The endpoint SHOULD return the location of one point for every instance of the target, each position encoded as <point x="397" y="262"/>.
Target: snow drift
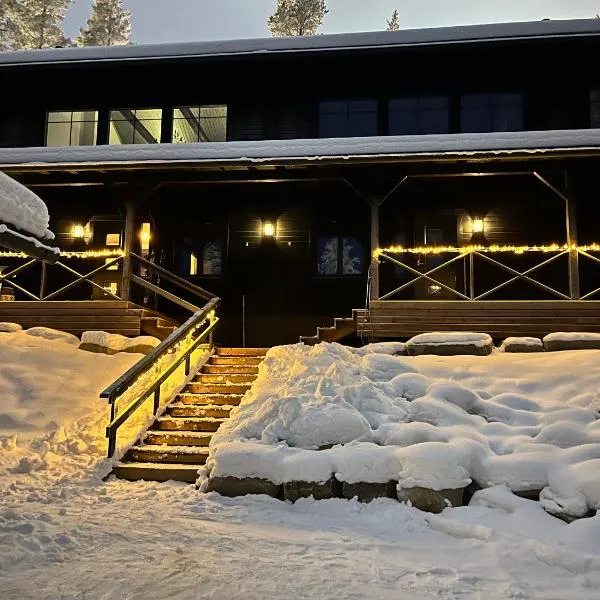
<point x="528" y="422"/>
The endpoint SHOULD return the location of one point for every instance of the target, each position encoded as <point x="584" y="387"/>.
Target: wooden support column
<point x="128" y="243"/>
<point x="572" y="240"/>
<point x="374" y="289"/>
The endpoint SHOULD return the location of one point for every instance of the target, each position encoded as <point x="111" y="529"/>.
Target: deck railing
<point x="468" y="260"/>
<point x="160" y="373"/>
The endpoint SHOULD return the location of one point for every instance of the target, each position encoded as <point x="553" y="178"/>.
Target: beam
<point x="374" y="275"/>
<point x="129" y="240"/>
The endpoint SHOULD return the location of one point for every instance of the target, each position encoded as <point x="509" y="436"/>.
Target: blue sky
<point x="157" y="21"/>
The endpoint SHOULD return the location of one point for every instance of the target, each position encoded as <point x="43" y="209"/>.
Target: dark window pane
<point x="491" y="112"/>
<point x="419" y="115"/>
<point x="353" y="118"/>
<point x="333" y="125"/>
<point x="362" y="124"/>
<point x="327" y="255"/>
<point x="212" y="258"/>
<point x="353" y="257"/>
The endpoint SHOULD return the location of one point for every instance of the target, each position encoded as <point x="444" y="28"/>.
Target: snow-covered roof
<point x="317" y="43"/>
<point x="313" y="151"/>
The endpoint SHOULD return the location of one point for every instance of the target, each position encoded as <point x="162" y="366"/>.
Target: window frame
<point x="419" y="112"/>
<point x="136" y="120"/>
<point x="493" y="106"/>
<point x="341" y="237"/>
<point x="200" y="107"/>
<point x="347" y="113"/>
<point x="71" y="111"/>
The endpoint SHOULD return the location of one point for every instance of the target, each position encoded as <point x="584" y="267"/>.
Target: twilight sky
<point x="156" y="21"/>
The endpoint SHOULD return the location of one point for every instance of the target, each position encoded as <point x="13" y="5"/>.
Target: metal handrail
<point x="128" y="379"/>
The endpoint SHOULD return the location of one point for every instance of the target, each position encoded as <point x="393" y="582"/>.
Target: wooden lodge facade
<point x="269" y="171"/>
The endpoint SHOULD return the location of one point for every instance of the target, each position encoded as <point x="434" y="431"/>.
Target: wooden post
<point x="374" y="289"/>
<point x="129" y="239"/>
<point x="43" y="279"/>
<point x="574" y="289"/>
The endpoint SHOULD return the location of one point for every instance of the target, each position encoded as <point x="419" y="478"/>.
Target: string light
<point x="485" y="249"/>
<point x="88" y="254"/>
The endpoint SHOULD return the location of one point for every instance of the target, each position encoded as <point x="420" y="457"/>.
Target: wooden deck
<point x="112" y="316"/>
<point x="500" y="318"/>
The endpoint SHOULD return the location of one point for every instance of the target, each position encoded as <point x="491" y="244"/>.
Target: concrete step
<point x="217" y="388"/>
<point x="187" y="424"/>
<point x="235" y="360"/>
<point x="241" y="351"/>
<point x="177" y="438"/>
<point x="157" y="472"/>
<point x="230" y="369"/>
<point x="180" y="409"/>
<point x="206" y="399"/>
<point x="224" y="378"/>
<point x="191" y="455"/>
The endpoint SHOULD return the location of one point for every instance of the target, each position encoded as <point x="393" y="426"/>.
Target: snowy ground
<point x="64" y="534"/>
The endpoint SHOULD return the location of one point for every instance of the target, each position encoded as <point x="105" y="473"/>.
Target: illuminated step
<point x="187" y="424"/>
<point x="230" y="369"/>
<point x="217" y="388"/>
<point x="242" y="351"/>
<point x="167" y="454"/>
<point x="204" y="399"/>
<point x="177" y="438"/>
<point x="187" y="473"/>
<point x="181" y="409"/>
<point x="224" y="378"/>
<point x="235" y="360"/>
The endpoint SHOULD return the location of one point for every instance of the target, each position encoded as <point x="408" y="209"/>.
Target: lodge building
<point x="269" y="171"/>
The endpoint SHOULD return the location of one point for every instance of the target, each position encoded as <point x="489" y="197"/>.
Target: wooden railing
<point x="147" y="378"/>
<point x="467" y="261"/>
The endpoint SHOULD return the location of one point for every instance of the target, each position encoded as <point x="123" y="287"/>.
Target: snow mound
<point x="53" y="334"/>
<point x="10" y="327"/>
<point x="23" y="209"/>
<point x="111" y="343"/>
<point x="443" y="338"/>
<point x="520" y="344"/>
<point x="572" y="336"/>
<point x="425" y="421"/>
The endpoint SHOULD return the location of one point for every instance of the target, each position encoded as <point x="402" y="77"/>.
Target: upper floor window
<point x="199" y="124"/>
<point x="135" y="126"/>
<point x="491" y="112"/>
<point x="595" y="108"/>
<point x="71" y="128"/>
<point x="419" y="116"/>
<point x="350" y="118"/>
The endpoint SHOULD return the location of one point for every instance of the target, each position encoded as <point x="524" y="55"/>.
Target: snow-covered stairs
<point x="176" y="444"/>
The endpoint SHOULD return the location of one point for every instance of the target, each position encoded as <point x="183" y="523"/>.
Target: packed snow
<point x="113" y="342"/>
<point x="523" y="421"/>
<point x="23" y="209"/>
<point x="572" y="336"/>
<point x="65" y="533"/>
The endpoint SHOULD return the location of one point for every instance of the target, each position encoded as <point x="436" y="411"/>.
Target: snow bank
<point x="111" y="343"/>
<point x="53" y="334"/>
<point x="10" y="327"/>
<point x="23" y="209"/>
<point x="572" y="336"/>
<point x="51" y="416"/>
<point x="443" y="338"/>
<point x="425" y="421"/>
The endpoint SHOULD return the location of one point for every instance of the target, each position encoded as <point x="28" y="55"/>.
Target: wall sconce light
<point x="78" y="231"/>
<point x="478" y="225"/>
<point x="268" y="229"/>
<point x="145" y="238"/>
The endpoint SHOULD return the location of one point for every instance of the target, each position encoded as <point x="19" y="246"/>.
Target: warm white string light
<point x="486" y="249"/>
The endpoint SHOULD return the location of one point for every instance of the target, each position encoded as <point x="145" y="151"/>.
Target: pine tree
<point x="297" y="17"/>
<point x="38" y="24"/>
<point x="7" y="23"/>
<point x="109" y="25"/>
<point x="393" y="23"/>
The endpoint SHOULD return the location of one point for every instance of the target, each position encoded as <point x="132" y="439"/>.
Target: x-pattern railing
<point x="469" y="254"/>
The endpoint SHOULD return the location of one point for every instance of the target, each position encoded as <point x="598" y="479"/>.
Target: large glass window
<point x="352" y="118"/>
<point x="200" y="124"/>
<point x="337" y="255"/>
<point x="491" y="112"/>
<point x="595" y="108"/>
<point x="419" y="116"/>
<point x="135" y="126"/>
<point x="71" y="128"/>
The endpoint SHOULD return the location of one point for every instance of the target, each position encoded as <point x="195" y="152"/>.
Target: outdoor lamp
<point x="268" y="229"/>
<point x="478" y="225"/>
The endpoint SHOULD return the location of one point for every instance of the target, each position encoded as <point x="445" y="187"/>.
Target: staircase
<point x="176" y="444"/>
<point x="341" y="328"/>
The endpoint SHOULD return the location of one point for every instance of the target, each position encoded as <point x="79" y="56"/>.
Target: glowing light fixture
<point x="78" y="231"/>
<point x="145" y="238"/>
<point x="268" y="229"/>
<point x="478" y="224"/>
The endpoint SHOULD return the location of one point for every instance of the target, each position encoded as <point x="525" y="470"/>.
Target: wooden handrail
<point x="180" y="281"/>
